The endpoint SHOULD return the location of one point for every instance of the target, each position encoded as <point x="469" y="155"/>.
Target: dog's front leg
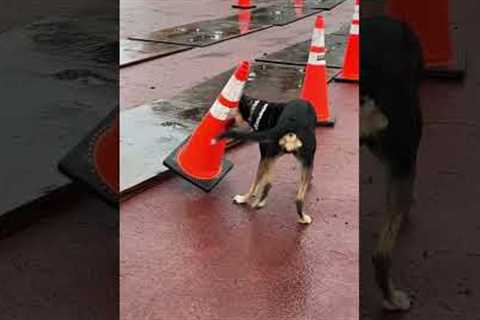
<point x="399" y="202"/>
<point x="263" y="168"/>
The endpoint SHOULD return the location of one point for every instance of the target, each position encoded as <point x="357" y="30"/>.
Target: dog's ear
<point x="244" y="106"/>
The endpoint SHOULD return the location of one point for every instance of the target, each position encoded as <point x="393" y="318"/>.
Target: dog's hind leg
<point x="263" y="187"/>
<point x="263" y="168"/>
<point x="305" y="178"/>
<point x="399" y="202"/>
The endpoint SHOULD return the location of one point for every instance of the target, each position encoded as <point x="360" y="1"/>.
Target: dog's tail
<point x="270" y="135"/>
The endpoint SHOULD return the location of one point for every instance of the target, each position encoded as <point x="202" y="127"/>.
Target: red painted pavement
<point x="186" y="254"/>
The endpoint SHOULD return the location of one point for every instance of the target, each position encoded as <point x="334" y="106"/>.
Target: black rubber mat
<point x="208" y="32"/>
<point x="205" y="33"/>
<point x="318" y="4"/>
<point x="314" y="4"/>
<point x="136" y="51"/>
<point x="298" y="53"/>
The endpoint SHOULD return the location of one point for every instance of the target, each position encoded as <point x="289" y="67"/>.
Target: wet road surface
<point x="186" y="254"/>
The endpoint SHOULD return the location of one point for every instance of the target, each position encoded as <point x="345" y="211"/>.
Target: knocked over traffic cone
<point x="315" y="85"/>
<point x="198" y="159"/>
<point x="351" y="62"/>
<point x="244" y="4"/>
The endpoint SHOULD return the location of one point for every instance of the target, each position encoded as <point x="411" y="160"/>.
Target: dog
<point x="391" y="128"/>
<point x="280" y="128"/>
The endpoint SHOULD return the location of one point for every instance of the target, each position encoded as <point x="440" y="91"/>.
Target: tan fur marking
<point x="290" y="142"/>
<point x="372" y="120"/>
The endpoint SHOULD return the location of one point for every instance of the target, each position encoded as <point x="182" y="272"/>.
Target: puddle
<point x="86" y="38"/>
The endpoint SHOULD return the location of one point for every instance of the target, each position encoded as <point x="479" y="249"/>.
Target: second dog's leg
<point x="399" y="202"/>
<point x="305" y="178"/>
<point x="263" y="167"/>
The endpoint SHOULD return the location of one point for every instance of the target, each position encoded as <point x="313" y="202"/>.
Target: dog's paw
<point x="240" y="199"/>
<point x="399" y="302"/>
<point x="306" y="219"/>
<point x="259" y="204"/>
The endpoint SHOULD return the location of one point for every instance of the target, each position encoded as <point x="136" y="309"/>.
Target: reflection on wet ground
<point x="150" y="132"/>
<point x="135" y="51"/>
<point x="208" y="32"/>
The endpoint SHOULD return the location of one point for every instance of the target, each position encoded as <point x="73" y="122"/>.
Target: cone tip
<point x="319" y="22"/>
<point x="243" y="70"/>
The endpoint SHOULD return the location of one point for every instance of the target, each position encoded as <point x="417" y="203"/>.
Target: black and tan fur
<point x="280" y="128"/>
<point x="391" y="128"/>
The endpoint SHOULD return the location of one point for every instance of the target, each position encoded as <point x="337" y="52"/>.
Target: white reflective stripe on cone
<point x="356" y="15"/>
<point x="318" y="38"/>
<point x="355" y="29"/>
<point x="316" y="59"/>
<point x="233" y="89"/>
<point x="219" y="111"/>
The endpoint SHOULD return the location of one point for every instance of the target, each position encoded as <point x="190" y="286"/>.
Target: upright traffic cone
<point x="430" y="20"/>
<point x="351" y="62"/>
<point x="244" y="4"/>
<point x="315" y="85"/>
<point x="198" y="159"/>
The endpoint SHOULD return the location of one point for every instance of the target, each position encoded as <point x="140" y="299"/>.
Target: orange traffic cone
<point x="430" y="21"/>
<point x="244" y="4"/>
<point x="351" y="62"/>
<point x="315" y="86"/>
<point x="198" y="159"/>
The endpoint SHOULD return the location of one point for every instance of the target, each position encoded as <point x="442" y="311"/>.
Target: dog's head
<point x="242" y="114"/>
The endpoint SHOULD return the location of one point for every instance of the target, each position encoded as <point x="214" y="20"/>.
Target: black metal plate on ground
<point x="318" y="4"/>
<point x="205" y="33"/>
<point x="313" y="4"/>
<point x="280" y="15"/>
<point x="136" y="51"/>
<point x="150" y="132"/>
<point x="79" y="164"/>
<point x="298" y="53"/>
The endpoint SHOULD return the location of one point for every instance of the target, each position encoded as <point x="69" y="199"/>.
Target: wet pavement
<point x="150" y="81"/>
<point x="438" y="253"/>
<point x="56" y="78"/>
<point x="63" y="265"/>
<point x="186" y="254"/>
<point x="134" y="51"/>
<point x="298" y="54"/>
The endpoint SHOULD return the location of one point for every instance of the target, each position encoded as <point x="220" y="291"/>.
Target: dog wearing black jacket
<point x="280" y="128"/>
<point x="391" y="127"/>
